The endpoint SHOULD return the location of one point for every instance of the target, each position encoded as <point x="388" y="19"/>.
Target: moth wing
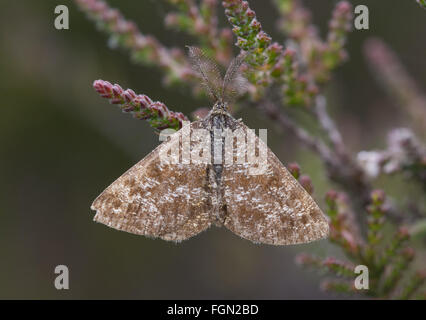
<point x="271" y="207"/>
<point x="158" y="199"/>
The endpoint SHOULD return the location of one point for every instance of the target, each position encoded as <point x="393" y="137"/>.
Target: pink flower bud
<point x="294" y="169"/>
<point x="408" y="253"/>
<point x="117" y="90"/>
<point x="403" y="233"/>
<point x="306" y="183"/>
<point x="331" y="195"/>
<point x="145" y="101"/>
<point x="127" y="96"/>
<point x="250" y="13"/>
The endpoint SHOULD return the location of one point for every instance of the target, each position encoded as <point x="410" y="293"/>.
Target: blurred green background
<point x="61" y="145"/>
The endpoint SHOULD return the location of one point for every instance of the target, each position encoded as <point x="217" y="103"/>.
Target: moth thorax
<point x="221" y="106"/>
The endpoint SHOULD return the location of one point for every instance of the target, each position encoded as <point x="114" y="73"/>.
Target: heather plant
<point x="288" y="78"/>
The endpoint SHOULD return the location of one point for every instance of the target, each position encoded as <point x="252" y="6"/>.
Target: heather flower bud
<point x="289" y="53"/>
<point x="378" y="197"/>
<point x="241" y="42"/>
<point x="263" y="38"/>
<point x="331" y="196"/>
<point x="294" y="169"/>
<point x="306" y="183"/>
<point x="255" y="25"/>
<point x="403" y="234"/>
<point x="250" y="13"/>
<point x="117" y="90"/>
<point x="408" y="253"/>
<point x="128" y="96"/>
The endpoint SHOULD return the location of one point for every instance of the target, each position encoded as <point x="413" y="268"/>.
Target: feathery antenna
<point x="220" y="90"/>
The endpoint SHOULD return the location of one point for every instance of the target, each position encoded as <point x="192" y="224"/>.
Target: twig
<point x="320" y="110"/>
<point x="275" y="114"/>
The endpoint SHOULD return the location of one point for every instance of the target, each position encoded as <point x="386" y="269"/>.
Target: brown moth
<point x="177" y="200"/>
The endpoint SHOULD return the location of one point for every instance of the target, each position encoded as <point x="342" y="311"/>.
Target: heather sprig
<point x="343" y="229"/>
<point x="397" y="270"/>
<point x="414" y="283"/>
<point x="400" y="238"/>
<point x="271" y="63"/>
<point x="265" y="55"/>
<point x="405" y="153"/>
<point x="338" y="267"/>
<point x="317" y="56"/>
<point x="422" y="3"/>
<point x="375" y="220"/>
<point x="329" y="265"/>
<point x="200" y="20"/>
<point x="144" y="49"/>
<point x="338" y="286"/>
<point x="296" y="87"/>
<point x="250" y="36"/>
<point x="140" y="106"/>
<point x="386" y="258"/>
<point x="295" y="20"/>
<point x="339" y="26"/>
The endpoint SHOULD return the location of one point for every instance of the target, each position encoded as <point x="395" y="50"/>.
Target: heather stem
<point x="140" y="106"/>
<point x="275" y="114"/>
<point x="329" y="126"/>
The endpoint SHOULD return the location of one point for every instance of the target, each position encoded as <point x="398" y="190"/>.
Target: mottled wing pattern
<point x="272" y="207"/>
<point x="169" y="201"/>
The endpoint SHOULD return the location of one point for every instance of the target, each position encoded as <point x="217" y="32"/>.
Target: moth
<point x="177" y="200"/>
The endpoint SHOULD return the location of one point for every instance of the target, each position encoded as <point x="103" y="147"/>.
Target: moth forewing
<point x="272" y="207"/>
<point x="157" y="199"/>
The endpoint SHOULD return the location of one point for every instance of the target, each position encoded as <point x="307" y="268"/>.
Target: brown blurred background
<point x="61" y="145"/>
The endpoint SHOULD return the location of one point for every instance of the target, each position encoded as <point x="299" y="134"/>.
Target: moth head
<point x="221" y="105"/>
